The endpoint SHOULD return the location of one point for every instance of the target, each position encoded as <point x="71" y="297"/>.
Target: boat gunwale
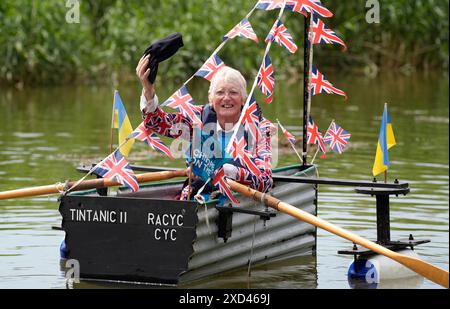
<point x="174" y="182"/>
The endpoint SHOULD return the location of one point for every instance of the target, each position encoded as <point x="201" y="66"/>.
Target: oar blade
<point x="427" y="270"/>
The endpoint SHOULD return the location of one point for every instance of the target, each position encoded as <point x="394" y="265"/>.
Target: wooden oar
<point x="87" y="184"/>
<point x="431" y="272"/>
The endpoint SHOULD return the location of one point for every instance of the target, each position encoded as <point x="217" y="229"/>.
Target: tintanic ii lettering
<point x="91" y="215"/>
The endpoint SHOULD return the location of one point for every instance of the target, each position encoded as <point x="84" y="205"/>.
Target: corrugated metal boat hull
<point x="252" y="238"/>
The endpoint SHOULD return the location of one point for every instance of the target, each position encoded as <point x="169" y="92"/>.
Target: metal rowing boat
<point x="148" y="236"/>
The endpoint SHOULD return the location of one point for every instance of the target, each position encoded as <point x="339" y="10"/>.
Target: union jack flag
<point x="210" y="67"/>
<point x="315" y="137"/>
<point x="116" y="167"/>
<point x="281" y="35"/>
<point x="309" y="6"/>
<point x="337" y="138"/>
<point x="300" y="6"/>
<point x="243" y="29"/>
<point x="266" y="79"/>
<point x="220" y="181"/>
<point x="238" y="152"/>
<point x="269" y="4"/>
<point x="183" y="101"/>
<point x="265" y="124"/>
<point x="251" y="118"/>
<point x="141" y="133"/>
<point x="319" y="33"/>
<point x="287" y="134"/>
<point x="318" y="84"/>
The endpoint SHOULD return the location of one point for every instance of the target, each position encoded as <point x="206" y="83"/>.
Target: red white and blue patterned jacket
<point x="174" y="125"/>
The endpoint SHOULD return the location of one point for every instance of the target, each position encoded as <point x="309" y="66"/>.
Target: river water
<point x="46" y="132"/>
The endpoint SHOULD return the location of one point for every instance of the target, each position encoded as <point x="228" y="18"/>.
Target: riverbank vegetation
<point x="38" y="45"/>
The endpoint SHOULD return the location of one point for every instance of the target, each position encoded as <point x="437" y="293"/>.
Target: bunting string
<point x="255" y="82"/>
<point x="308" y="90"/>
<point x="222" y="44"/>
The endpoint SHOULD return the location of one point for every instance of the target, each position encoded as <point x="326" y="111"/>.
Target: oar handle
<point x="155" y="176"/>
<point x="88" y="184"/>
<point x="429" y="271"/>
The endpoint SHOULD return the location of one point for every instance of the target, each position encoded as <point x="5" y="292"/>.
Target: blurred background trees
<point x="38" y="46"/>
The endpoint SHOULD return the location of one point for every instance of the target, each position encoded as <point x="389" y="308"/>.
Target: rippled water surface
<point x="45" y="133"/>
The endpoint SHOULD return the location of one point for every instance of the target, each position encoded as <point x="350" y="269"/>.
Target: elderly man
<point x="227" y="95"/>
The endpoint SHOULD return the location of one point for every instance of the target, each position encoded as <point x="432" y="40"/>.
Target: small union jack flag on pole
<point x="337" y="138"/>
<point x="151" y="139"/>
<point x="319" y="33"/>
<point x="251" y="118"/>
<point x="315" y="137"/>
<point x="116" y="167"/>
<point x="291" y="138"/>
<point x="243" y="29"/>
<point x="220" y="181"/>
<point x="183" y="101"/>
<point x="266" y="79"/>
<point x="318" y="84"/>
<point x="308" y="6"/>
<point x="281" y="35"/>
<point x="238" y="152"/>
<point x="210" y="67"/>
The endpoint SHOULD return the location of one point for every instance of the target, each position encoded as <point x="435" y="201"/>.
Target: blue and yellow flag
<point x="386" y="141"/>
<point x="122" y="123"/>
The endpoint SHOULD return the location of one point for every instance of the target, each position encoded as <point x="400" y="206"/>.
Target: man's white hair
<point x="228" y="75"/>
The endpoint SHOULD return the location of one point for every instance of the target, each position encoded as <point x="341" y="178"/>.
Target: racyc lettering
<point x="164" y="225"/>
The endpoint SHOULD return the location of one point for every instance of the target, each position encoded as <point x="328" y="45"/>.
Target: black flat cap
<point x="162" y="50"/>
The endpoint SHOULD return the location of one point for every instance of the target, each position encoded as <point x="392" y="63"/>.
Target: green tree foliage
<point x="38" y="46"/>
<point x="411" y="34"/>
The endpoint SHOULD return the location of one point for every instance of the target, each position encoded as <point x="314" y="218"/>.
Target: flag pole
<point x="307" y="64"/>
<point x="385" y="172"/>
<point x="292" y="145"/>
<point x="296" y="152"/>
<point x="192" y="161"/>
<point x="317" y="151"/>
<point x="112" y="122"/>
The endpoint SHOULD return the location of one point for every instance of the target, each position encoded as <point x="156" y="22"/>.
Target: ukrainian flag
<point x="122" y="123"/>
<point x="386" y="141"/>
